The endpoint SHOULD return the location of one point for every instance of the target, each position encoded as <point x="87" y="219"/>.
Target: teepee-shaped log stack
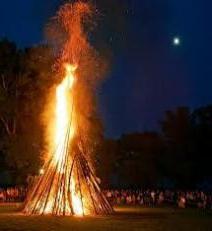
<point x="67" y="187"/>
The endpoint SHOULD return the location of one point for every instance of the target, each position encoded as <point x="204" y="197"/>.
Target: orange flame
<point x="67" y="185"/>
<point x="64" y="113"/>
<point x="64" y="100"/>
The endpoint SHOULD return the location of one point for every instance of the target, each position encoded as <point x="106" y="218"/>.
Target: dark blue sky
<point x="149" y="75"/>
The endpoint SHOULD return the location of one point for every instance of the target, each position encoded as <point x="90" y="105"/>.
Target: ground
<point x="124" y="219"/>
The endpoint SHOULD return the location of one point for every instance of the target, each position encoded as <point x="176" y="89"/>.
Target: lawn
<point x="145" y="219"/>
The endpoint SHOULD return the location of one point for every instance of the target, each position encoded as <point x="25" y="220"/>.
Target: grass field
<point x="144" y="219"/>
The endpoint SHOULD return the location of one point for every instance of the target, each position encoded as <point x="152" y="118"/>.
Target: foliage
<point x="25" y="76"/>
<point x="179" y="155"/>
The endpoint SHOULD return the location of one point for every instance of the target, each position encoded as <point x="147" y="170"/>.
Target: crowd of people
<point x="147" y="198"/>
<point x="152" y="198"/>
<point x="13" y="194"/>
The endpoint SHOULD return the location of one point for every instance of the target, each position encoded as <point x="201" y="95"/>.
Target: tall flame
<point x="65" y="129"/>
<point x="68" y="185"/>
<point x="64" y="111"/>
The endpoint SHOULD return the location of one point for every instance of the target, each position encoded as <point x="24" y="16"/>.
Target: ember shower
<point x="69" y="185"/>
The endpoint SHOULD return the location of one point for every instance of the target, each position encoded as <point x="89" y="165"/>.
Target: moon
<point x="176" y="41"/>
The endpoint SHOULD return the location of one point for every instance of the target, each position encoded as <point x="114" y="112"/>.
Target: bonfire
<point x="68" y="185"/>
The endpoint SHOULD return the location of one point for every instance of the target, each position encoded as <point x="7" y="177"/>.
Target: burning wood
<point x="68" y="185"/>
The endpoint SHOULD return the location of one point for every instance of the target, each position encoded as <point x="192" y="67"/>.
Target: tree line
<point x="179" y="155"/>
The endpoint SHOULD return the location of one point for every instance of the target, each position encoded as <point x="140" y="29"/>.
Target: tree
<point x="202" y="146"/>
<point x="25" y="77"/>
<point x="107" y="160"/>
<point x="176" y="131"/>
<point x="139" y="163"/>
<point x="9" y="66"/>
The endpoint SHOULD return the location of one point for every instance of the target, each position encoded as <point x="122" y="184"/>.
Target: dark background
<point x="155" y="100"/>
<point x="148" y="73"/>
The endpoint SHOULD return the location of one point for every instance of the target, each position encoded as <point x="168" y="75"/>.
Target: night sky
<point x="149" y="73"/>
